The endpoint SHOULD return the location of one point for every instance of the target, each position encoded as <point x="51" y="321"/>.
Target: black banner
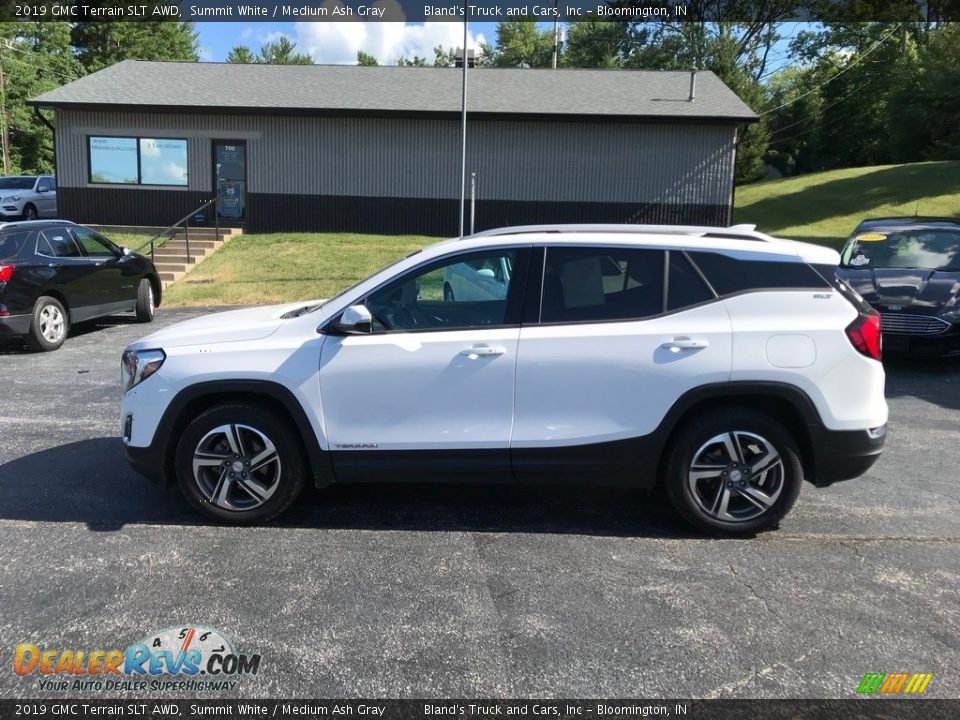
<point x="483" y="10"/>
<point x="858" y="709"/>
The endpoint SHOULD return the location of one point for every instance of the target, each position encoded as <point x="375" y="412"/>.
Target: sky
<point x="337" y="43"/>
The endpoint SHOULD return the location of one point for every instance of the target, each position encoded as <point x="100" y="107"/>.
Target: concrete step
<point x="172" y="267"/>
<point x="194" y="244"/>
<point x="181" y="259"/>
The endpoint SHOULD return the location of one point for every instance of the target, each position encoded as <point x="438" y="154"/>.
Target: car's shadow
<point x="90" y="482"/>
<point x="16" y="346"/>
<point x="934" y="380"/>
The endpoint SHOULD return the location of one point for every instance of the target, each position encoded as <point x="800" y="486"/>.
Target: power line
<point x="859" y="59"/>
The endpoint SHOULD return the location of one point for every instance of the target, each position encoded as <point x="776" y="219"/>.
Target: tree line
<point x="835" y="95"/>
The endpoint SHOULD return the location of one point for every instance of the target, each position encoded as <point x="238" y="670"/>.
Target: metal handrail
<point x="152" y="242"/>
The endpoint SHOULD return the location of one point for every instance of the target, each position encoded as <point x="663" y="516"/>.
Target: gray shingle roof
<point x="348" y="88"/>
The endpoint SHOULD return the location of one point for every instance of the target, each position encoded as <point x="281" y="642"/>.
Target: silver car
<point x="28" y="197"/>
<point x="477" y="280"/>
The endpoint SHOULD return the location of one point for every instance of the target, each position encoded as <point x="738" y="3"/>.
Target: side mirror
<point x="355" y="320"/>
<point x="125" y="250"/>
<point x="486" y="273"/>
<point x="42" y="189"/>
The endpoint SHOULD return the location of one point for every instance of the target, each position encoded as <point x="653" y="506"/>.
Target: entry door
<point x="230" y="178"/>
<point x="428" y="394"/>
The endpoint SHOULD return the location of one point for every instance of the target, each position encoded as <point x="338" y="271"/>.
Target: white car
<point x="28" y="197"/>
<point x="485" y="278"/>
<point x="723" y="365"/>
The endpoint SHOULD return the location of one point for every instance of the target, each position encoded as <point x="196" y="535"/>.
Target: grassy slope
<point x="286" y="267"/>
<point x="825" y="207"/>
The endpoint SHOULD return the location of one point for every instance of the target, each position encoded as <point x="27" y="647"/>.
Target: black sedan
<point x="55" y="273"/>
<point x="908" y="269"/>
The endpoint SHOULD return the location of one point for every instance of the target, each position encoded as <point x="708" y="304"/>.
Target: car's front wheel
<point x="29" y="212"/>
<point x="240" y="463"/>
<point x="733" y="472"/>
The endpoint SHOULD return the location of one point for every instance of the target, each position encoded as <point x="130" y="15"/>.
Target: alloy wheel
<point x="237" y="467"/>
<point x="51" y="323"/>
<point x="736" y="476"/>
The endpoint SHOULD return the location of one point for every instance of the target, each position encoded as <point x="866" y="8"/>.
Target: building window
<point x="138" y="161"/>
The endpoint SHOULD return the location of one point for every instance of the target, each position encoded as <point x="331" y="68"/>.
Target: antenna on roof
<point x="693" y="85"/>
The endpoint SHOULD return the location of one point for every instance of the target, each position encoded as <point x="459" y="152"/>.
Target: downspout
<point x="53" y="132"/>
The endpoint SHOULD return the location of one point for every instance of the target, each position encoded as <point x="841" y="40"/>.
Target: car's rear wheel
<point x="48" y="329"/>
<point x="145" y="301"/>
<point x="29" y="212"/>
<point x="240" y="463"/>
<point x="733" y="472"/>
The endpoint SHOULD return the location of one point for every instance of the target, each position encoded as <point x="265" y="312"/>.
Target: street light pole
<point x="463" y="125"/>
<point x="4" y="140"/>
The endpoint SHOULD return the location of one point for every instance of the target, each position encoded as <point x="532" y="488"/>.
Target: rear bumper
<point x="15" y="324"/>
<point x="844" y="454"/>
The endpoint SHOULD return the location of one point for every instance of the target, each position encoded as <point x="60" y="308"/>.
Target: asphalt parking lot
<point x="404" y="591"/>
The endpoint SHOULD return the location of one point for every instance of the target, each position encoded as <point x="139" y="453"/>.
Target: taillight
<point x="864" y="334"/>
<point x="6" y="272"/>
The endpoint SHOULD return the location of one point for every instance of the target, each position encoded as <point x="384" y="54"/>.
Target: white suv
<point x="722" y="364"/>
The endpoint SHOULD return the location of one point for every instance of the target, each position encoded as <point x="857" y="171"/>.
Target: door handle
<point x="683" y="343"/>
<point x="482" y="351"/>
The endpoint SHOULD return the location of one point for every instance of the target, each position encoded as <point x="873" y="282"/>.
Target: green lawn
<point x="822" y="208"/>
<point x="825" y="207"/>
<point x="286" y="267"/>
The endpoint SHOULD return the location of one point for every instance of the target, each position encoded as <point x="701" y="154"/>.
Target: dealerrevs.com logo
<point x="188" y="657"/>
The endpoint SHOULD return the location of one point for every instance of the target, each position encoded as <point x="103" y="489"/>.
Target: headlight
<point x="11" y="199"/>
<point x="137" y="365"/>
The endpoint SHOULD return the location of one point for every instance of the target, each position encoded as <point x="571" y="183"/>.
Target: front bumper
<point x="845" y="454"/>
<point x="15" y="324"/>
<point x="942" y="345"/>
<point x="148" y="461"/>
<point x="10" y="211"/>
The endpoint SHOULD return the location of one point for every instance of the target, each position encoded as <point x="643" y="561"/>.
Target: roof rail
<point x="742" y="232"/>
<point x="33" y="223"/>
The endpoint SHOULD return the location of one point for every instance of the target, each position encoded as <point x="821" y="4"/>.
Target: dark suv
<point x="56" y="273"/>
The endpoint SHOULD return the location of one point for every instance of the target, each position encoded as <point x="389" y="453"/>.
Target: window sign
<point x="138" y="161"/>
<point x="163" y="162"/>
<point x="113" y="160"/>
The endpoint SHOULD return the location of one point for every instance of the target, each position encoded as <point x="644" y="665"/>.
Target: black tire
<point x="447" y="293"/>
<point x="29" y="212"/>
<point x="773" y="491"/>
<point x="281" y="483"/>
<point x="145" y="305"/>
<point x="49" y="326"/>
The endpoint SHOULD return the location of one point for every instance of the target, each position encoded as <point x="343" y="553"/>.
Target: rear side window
<point x="12" y="244"/>
<point x="601" y="284"/>
<point x="685" y="287"/>
<point x="729" y="275"/>
<point x="57" y="243"/>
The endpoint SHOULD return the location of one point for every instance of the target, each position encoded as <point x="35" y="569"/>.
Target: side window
<point x="43" y="185"/>
<point x="58" y="243"/>
<point x="466" y="291"/>
<point x="728" y="275"/>
<point x="685" y="287"/>
<point x="12" y="244"/>
<point x="584" y="284"/>
<point x="52" y="184"/>
<point x="93" y="245"/>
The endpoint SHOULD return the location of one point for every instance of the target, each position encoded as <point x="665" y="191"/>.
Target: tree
<point x="366" y="59"/>
<point x="241" y="55"/>
<point x="521" y="44"/>
<point x="282" y="52"/>
<point x="100" y="44"/>
<point x="38" y="57"/>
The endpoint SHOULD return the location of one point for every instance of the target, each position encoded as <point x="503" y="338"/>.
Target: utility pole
<point x="556" y="34"/>
<point x="4" y="140"/>
<point x="463" y="123"/>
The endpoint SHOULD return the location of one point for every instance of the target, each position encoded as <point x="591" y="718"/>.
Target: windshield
<point x="16" y="183"/>
<point x="933" y="249"/>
